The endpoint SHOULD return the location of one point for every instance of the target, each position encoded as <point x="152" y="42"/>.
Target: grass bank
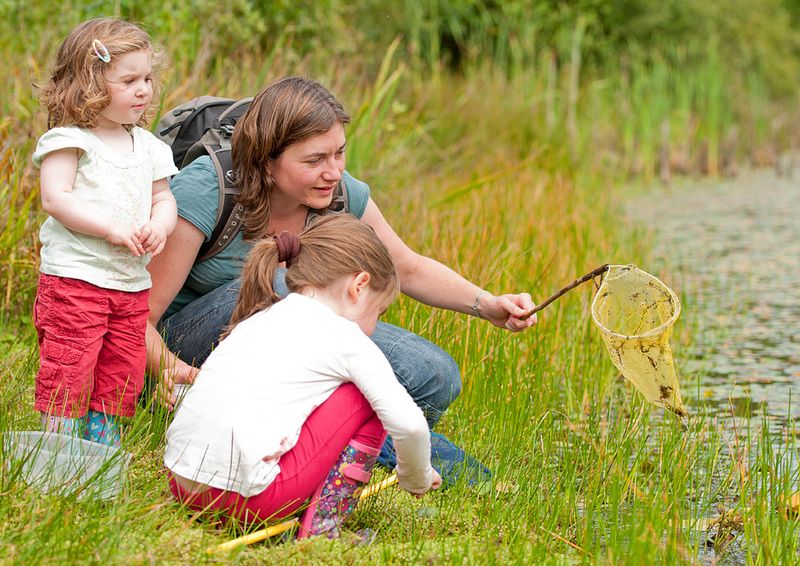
<point x="504" y="169"/>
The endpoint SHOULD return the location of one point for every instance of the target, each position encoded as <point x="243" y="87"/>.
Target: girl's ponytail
<point x="256" y="291"/>
<point x="335" y="246"/>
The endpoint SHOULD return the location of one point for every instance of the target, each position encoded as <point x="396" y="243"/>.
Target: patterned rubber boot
<point x="102" y="428"/>
<point x="64" y="425"/>
<point x="339" y="494"/>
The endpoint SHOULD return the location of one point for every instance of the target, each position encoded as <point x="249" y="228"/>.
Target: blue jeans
<point x="428" y="373"/>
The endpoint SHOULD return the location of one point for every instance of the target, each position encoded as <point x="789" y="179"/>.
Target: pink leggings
<point x="344" y="416"/>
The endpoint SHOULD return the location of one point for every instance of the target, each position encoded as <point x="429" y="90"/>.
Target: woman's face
<point x="307" y="172"/>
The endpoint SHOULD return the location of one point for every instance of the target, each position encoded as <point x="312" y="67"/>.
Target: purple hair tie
<point x="288" y="247"/>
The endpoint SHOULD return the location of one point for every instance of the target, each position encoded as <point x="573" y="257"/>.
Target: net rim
<point x="653" y="331"/>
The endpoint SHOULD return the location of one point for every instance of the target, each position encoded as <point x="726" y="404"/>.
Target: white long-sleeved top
<point x="260" y="384"/>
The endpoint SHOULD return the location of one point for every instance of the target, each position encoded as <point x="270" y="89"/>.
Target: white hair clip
<point x="101" y="51"/>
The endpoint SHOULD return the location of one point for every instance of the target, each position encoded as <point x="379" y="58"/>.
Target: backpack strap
<point x="216" y="143"/>
<point x="229" y="213"/>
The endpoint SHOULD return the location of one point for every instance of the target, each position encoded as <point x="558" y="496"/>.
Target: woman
<point x="289" y="155"/>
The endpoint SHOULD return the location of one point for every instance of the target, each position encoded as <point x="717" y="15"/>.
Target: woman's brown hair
<point x="287" y="111"/>
<point x="77" y="92"/>
<point x="335" y="246"/>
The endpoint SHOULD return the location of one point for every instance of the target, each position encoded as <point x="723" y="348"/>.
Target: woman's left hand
<point x="504" y="311"/>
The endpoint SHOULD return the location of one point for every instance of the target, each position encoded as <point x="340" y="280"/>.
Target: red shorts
<point x="91" y="347"/>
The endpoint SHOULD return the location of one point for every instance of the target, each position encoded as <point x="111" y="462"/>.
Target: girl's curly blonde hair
<point x="77" y="92"/>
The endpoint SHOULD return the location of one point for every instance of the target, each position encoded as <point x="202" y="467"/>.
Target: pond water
<point x="732" y="251"/>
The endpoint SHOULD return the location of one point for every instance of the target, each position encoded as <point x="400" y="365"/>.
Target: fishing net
<point x="635" y="312"/>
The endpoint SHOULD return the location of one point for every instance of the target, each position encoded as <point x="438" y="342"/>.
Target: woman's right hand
<point x="179" y="373"/>
<point x="169" y="271"/>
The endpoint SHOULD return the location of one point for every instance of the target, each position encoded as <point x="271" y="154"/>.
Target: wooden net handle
<point x="591" y="275"/>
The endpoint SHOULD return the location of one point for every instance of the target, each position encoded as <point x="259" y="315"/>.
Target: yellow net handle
<point x="264" y="534"/>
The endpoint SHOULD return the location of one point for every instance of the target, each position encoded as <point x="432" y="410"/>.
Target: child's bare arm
<point x="57" y="177"/>
<point x="163" y="216"/>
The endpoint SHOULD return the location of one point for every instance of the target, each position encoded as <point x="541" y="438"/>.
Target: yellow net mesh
<point x="635" y="312"/>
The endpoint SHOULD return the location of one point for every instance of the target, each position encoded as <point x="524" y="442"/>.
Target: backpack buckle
<point x="226" y="130"/>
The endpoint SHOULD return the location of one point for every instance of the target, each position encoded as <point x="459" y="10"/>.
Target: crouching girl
<point x="291" y="408"/>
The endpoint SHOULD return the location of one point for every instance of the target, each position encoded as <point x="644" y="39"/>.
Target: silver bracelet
<point x="476" y="304"/>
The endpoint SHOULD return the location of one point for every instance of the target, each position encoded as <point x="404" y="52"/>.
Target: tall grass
<point x="480" y="169"/>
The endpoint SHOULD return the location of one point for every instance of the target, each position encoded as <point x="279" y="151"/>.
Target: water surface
<point x="732" y="251"/>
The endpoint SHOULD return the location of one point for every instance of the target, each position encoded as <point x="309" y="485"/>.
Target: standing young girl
<point x="104" y="185"/>
<point x="294" y="404"/>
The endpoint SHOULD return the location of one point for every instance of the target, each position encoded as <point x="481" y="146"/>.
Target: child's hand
<point x="275" y="456"/>
<point x="152" y="236"/>
<point x="125" y="235"/>
<point x="436" y="483"/>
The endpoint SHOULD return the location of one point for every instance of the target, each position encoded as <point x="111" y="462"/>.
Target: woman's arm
<point x="169" y="271"/>
<point x="435" y="284"/>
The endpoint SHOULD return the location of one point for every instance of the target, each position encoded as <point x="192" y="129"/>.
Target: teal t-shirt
<point x="196" y="191"/>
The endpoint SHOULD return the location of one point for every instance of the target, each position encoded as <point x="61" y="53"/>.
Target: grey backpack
<point x="204" y="126"/>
